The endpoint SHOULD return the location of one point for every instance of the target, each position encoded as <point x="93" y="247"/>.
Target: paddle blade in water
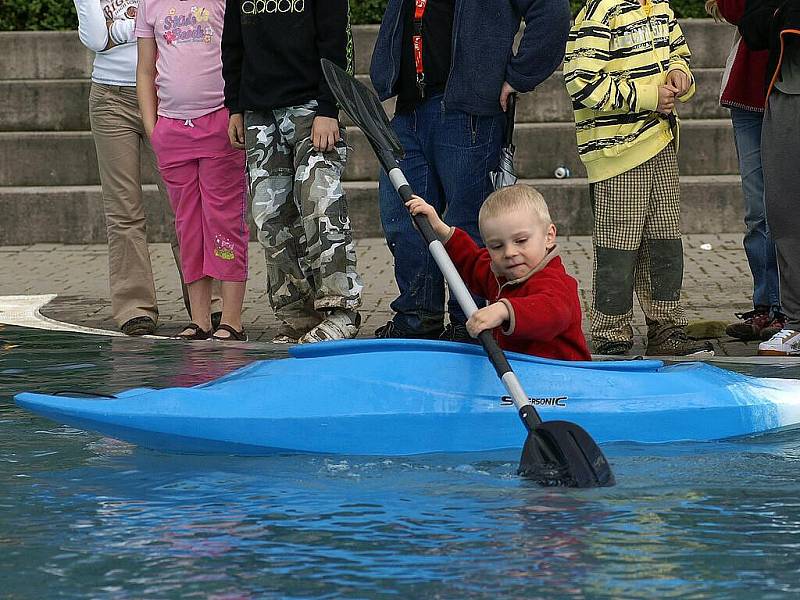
<point x="559" y="453"/>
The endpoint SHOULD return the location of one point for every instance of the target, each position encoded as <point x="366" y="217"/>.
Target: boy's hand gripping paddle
<point x="555" y="452"/>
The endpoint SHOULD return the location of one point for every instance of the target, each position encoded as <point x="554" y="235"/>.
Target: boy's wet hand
<point x="418" y="206"/>
<point x="324" y="133"/>
<point x="488" y="317"/>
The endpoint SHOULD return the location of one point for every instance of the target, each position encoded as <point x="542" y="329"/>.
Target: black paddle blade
<point x="363" y="107"/>
<point x="559" y="453"/>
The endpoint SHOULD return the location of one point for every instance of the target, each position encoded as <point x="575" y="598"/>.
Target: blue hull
<point x="385" y="397"/>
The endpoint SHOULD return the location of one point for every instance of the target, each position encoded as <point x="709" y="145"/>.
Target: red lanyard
<point x="419" y="12"/>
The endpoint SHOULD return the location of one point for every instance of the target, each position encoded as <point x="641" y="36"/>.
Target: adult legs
<point x="758" y="244"/>
<point x="419" y="307"/>
<point x="465" y="149"/>
<point x="780" y="144"/>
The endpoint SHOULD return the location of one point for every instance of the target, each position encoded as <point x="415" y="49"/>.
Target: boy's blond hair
<point x="515" y="197"/>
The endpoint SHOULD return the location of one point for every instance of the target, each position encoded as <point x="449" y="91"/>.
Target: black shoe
<point x="139" y="326"/>
<point x="390" y="330"/>
<point x="216" y="319"/>
<point x="457" y="332"/>
<point x="613" y="348"/>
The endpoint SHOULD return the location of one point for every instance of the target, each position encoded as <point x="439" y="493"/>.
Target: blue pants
<point x="448" y="157"/>
<point x="758" y="243"/>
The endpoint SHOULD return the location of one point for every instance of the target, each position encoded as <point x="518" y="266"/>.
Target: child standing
<point x="626" y="63"/>
<point x="534" y="306"/>
<point x="106" y="27"/>
<point x="282" y="109"/>
<point x="180" y="57"/>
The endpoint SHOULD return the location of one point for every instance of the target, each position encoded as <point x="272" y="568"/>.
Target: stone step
<point x="74" y="214"/>
<point x="62" y="104"/>
<point x="68" y="158"/>
<point x="60" y="55"/>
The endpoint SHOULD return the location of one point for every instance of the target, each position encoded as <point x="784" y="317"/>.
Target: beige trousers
<point x="122" y="149"/>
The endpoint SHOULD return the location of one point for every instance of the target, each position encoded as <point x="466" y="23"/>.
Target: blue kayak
<point x="402" y="397"/>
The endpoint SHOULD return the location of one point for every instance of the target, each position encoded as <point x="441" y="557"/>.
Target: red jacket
<point x="544" y="306"/>
<point x="745" y="71"/>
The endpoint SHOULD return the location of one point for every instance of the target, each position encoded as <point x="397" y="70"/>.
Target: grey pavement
<point x="717" y="283"/>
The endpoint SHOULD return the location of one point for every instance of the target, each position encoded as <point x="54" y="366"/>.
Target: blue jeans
<point x="758" y="243"/>
<point x="448" y="157"/>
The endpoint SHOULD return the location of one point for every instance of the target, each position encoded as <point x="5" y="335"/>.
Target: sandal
<point x="236" y="336"/>
<point x="197" y="333"/>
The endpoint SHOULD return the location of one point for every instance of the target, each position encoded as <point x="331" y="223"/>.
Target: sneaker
<point x="613" y="348"/>
<point x="338" y="325"/>
<point x="390" y="330"/>
<point x="139" y="326"/>
<point x="751" y="324"/>
<point x="778" y="322"/>
<point x="673" y="341"/>
<point x="784" y="343"/>
<point x="457" y="332"/>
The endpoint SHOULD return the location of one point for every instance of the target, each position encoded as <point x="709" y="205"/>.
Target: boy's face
<point x="517" y="242"/>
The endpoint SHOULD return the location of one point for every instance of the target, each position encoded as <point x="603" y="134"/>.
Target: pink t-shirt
<point x="189" y="64"/>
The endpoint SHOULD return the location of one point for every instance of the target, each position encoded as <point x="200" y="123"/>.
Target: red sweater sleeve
<point x="472" y="262"/>
<point x="546" y="312"/>
<point x="731" y="10"/>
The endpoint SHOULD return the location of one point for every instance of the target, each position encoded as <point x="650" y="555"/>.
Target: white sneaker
<point x="338" y="325"/>
<point x="784" y="343"/>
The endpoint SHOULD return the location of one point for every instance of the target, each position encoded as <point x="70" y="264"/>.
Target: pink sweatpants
<point x="207" y="186"/>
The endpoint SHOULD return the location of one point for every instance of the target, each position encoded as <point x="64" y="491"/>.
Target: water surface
<point x="84" y="516"/>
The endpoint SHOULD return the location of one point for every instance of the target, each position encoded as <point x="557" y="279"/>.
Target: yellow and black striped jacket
<point x="618" y="53"/>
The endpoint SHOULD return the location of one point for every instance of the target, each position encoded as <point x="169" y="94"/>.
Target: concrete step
<point x="68" y="158"/>
<point x="60" y="55"/>
<point x="74" y="214"/>
<point x="62" y="104"/>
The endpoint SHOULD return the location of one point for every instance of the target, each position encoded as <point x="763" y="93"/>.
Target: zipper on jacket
<point x="456" y="17"/>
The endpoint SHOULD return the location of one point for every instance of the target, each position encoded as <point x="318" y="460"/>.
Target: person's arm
<point x="332" y="22"/>
<point x="232" y="55"/>
<point x="544" y="314"/>
<point x="756" y="23"/>
<point x="678" y="73"/>
<point x="541" y="48"/>
<point x="146" y="83"/>
<point x="590" y="85"/>
<point x="92" y="25"/>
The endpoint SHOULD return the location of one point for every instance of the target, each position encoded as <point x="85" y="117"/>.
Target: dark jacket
<point x="765" y="25"/>
<point x="271" y="53"/>
<point x="544" y="306"/>
<point x="482" y="57"/>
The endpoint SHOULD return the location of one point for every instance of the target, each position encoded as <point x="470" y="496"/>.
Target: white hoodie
<point x="101" y="22"/>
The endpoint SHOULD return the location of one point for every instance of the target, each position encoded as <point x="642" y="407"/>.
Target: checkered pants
<point x="637" y="246"/>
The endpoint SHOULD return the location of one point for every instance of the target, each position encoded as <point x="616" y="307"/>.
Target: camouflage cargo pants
<point x="300" y="210"/>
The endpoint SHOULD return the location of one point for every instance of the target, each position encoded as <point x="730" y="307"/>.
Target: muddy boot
<point x="671" y="340"/>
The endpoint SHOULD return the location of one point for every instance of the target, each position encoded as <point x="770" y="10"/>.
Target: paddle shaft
<point x="459" y="290"/>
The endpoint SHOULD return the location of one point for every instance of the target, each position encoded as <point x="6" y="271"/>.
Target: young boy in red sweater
<point x="533" y="303"/>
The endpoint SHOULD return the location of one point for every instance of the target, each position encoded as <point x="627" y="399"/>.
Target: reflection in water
<point x="87" y="516"/>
